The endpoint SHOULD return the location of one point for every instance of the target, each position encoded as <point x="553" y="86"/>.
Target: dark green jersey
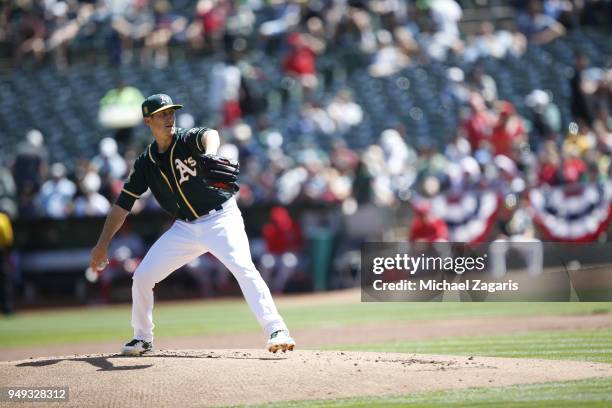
<point x="174" y="178"/>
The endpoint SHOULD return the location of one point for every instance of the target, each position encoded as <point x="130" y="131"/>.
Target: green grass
<point x="317" y="315"/>
<point x="70" y="326"/>
<point x="592" y="393"/>
<point x="583" y="345"/>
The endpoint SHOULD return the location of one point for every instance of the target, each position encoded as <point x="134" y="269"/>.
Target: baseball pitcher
<point x="197" y="188"/>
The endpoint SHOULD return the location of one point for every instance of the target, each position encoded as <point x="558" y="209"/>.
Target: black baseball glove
<point x="220" y="172"/>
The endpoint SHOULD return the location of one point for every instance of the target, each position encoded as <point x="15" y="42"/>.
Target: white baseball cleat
<point x="280" y="340"/>
<point x="137" y="348"/>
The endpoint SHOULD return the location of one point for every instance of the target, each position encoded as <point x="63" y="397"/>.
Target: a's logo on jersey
<point x="186" y="168"/>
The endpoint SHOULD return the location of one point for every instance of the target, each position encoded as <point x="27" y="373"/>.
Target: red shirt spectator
<point x="301" y="60"/>
<point x="550" y="164"/>
<point x="212" y="16"/>
<point x="478" y="125"/>
<point x="549" y="173"/>
<point x="282" y="233"/>
<point x="573" y="169"/>
<point x="508" y="130"/>
<point x="426" y="227"/>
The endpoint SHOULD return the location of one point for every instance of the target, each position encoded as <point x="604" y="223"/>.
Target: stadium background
<point x="351" y="115"/>
<point x="344" y="112"/>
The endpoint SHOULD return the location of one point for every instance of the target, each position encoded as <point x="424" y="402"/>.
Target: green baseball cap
<point x="157" y="103"/>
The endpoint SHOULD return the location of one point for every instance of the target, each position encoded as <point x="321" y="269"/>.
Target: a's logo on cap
<point x="165" y="100"/>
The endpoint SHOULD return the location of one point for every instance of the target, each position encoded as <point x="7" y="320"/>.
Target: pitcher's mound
<point x="187" y="378"/>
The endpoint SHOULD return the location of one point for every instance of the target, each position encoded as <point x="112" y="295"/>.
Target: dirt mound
<point x="188" y="378"/>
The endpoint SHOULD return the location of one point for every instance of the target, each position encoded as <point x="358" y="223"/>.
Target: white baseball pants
<point x="222" y="234"/>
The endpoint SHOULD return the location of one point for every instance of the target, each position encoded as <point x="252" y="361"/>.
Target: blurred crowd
<point x="389" y="32"/>
<point x="494" y="146"/>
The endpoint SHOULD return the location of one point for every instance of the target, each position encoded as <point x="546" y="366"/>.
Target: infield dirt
<point x="189" y="378"/>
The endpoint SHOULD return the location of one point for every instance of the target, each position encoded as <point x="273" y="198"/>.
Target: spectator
<point x="602" y="98"/>
<point x="224" y="101"/>
<point x="206" y="32"/>
<point x="28" y="204"/>
<point x="508" y="181"/>
<point x="483" y="84"/>
<point x="314" y="119"/>
<point x="133" y="22"/>
<point x="240" y="26"/>
<point x="381" y="182"/>
<point x="560" y="10"/>
<point x="300" y="60"/>
<point x="573" y="168"/>
<point x="426" y="227"/>
<point x="66" y="28"/>
<point x="290" y="184"/>
<point x="57" y="193"/>
<point x="579" y="104"/>
<point x="362" y="183"/>
<point x="109" y="161"/>
<point x="388" y="58"/>
<point x="538" y="27"/>
<point x="344" y="111"/>
<point x="479" y="122"/>
<point x="342" y="157"/>
<point x="512" y="38"/>
<point x="354" y="28"/>
<point x="351" y="35"/>
<point x="603" y="132"/>
<point x="90" y="203"/>
<point x="30" y="33"/>
<point x="509" y="130"/>
<point x="244" y="142"/>
<point x="8" y="192"/>
<point x="578" y="140"/>
<point x="430" y="162"/>
<point x="284" y="244"/>
<point x="399" y="157"/>
<point x="30" y="166"/>
<point x="254" y="88"/>
<point x="517" y="234"/>
<point x="458" y="147"/>
<point x="545" y="119"/>
<point x="167" y="25"/>
<point x="486" y="43"/>
<point x="456" y="93"/>
<point x="550" y="164"/>
<point x="406" y="42"/>
<point x="444" y="34"/>
<point x="316" y="187"/>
